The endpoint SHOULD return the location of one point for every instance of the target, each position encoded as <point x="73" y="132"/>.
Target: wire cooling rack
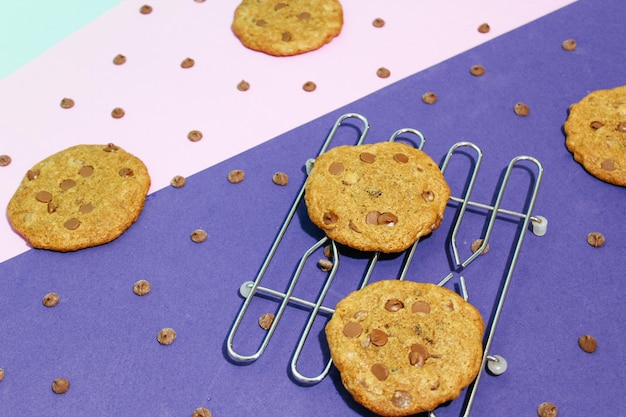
<point x="493" y="213"/>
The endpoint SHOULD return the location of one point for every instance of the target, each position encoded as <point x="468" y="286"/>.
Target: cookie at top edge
<point x="376" y="197"/>
<point x="596" y="134"/>
<point x="403" y="347"/>
<point x="286" y="28"/>
<point x="83" y="196"/>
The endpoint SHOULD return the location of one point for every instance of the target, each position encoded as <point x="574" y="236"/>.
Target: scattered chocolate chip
<point x="187" y="63"/>
<point x="243" y="85"/>
<point x="335" y="168"/>
<point x="72" y="224"/>
<point x="5" y="160"/>
<point x="266" y="320"/>
<point x="477" y="244"/>
<point x="477" y="70"/>
<point x="368" y="158"/>
<point x="352" y="329"/>
<point x="621" y="127"/>
<point x="280" y="6"/>
<point x="118" y="113"/>
<point x="372" y="217"/>
<point x="608" y="165"/>
<point x="51" y="207"/>
<point x="401" y="399"/>
<point x="401" y="158"/>
<point x="595" y="125"/>
<point x="521" y="109"/>
<point x="328" y="251"/>
<point x="236" y="176"/>
<point x="569" y="45"/>
<point x="67" y="184"/>
<point x="547" y="409"/>
<point x="119" y="59"/>
<point x="387" y="219"/>
<point x="126" y="172"/>
<point x="330" y="218"/>
<point x="380" y="371"/>
<point x="31" y="174"/>
<point x="43" y="196"/>
<point x="261" y="22"/>
<point x="86" y="171"/>
<point x="325" y="265"/>
<point x="60" y="385"/>
<point x="194" y="135"/>
<point x="394" y="305"/>
<point x="50" y="300"/>
<point x="198" y="236"/>
<point x="67" y="103"/>
<point x="588" y="343"/>
<point x="418" y="355"/>
<point x="110" y="148"/>
<point x="166" y="336"/>
<point x="304" y="16"/>
<point x="429" y="97"/>
<point x="428" y="196"/>
<point x="378" y="22"/>
<point x="286" y="36"/>
<point x="280" y="178"/>
<point x="142" y="287"/>
<point x="378" y="337"/>
<point x="484" y="28"/>
<point x="202" y="411"/>
<point x="178" y="181"/>
<point x="421" y="307"/>
<point x="145" y="9"/>
<point x="86" y="208"/>
<point x="383" y="72"/>
<point x="309" y="86"/>
<point x="596" y="239"/>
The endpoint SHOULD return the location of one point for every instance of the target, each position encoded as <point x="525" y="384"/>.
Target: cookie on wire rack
<point x="403" y="347"/>
<point x="376" y="197"/>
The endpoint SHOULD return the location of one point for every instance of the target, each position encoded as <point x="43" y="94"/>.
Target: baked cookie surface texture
<point x="596" y="134"/>
<point x="404" y="347"/>
<point x="285" y="28"/>
<point x="376" y="197"/>
<point x="83" y="196"/>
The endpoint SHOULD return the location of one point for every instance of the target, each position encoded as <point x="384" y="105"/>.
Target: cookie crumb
<point x="477" y="70"/>
<point x="187" y="63"/>
<point x="569" y="45"/>
<point x="202" y="411"/>
<point x="60" y="385"/>
<point x="484" y="28"/>
<point x="280" y="178"/>
<point x="266" y="320"/>
<point x="309" y="86"/>
<point x="596" y="239"/>
<point x="118" y="113"/>
<point x="5" y="160"/>
<point x="119" y="59"/>
<point x="521" y="109"/>
<point x="67" y="103"/>
<point x="198" y="235"/>
<point x="547" y="409"/>
<point x="328" y="251"/>
<point x="166" y="336"/>
<point x="378" y="22"/>
<point x="145" y="9"/>
<point x="142" y="287"/>
<point x="383" y="72"/>
<point x="325" y="265"/>
<point x="429" y="97"/>
<point x="243" y="85"/>
<point x="50" y="300"/>
<point x="178" y="181"/>
<point x="588" y="343"/>
<point x="194" y="135"/>
<point x="236" y="176"/>
<point x="477" y="244"/>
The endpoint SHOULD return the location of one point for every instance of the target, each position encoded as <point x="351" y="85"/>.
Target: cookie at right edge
<point x="596" y="134"/>
<point x="376" y="197"/>
<point x="404" y="347"/>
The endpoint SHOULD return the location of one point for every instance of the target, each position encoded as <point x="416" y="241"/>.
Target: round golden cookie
<point x="285" y="28"/>
<point x="378" y="197"/>
<point x="83" y="196"/>
<point x="596" y="134"/>
<point x="404" y="347"/>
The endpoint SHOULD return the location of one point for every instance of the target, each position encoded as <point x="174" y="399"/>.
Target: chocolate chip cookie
<point x="377" y="197"/>
<point x="596" y="134"/>
<point x="285" y="28"/>
<point x="404" y="347"/>
<point x="83" y="196"/>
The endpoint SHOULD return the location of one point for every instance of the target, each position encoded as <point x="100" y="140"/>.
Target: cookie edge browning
<point x="34" y="240"/>
<point x="575" y="140"/>
<point x="334" y="330"/>
<point x="239" y="27"/>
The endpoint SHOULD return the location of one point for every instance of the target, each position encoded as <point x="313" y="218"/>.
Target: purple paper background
<point x="102" y="337"/>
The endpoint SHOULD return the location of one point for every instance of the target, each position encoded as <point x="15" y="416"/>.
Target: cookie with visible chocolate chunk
<point x="376" y="197"/>
<point x="285" y="28"/>
<point x="83" y="196"/>
<point x="596" y="134"/>
<point x="404" y="347"/>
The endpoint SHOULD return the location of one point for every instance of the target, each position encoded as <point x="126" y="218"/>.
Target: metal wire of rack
<point x="494" y="363"/>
